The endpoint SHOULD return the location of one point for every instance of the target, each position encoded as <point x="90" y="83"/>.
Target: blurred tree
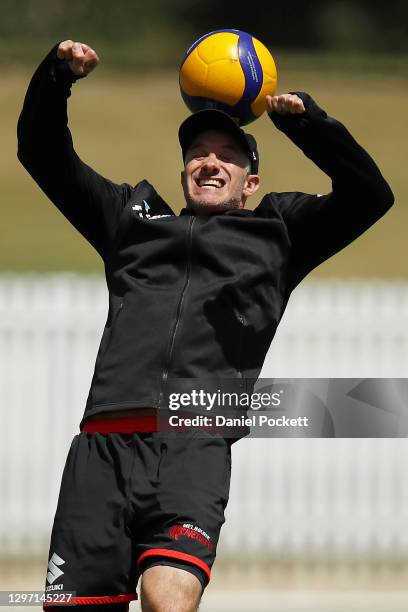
<point x="157" y="30"/>
<point x="355" y="25"/>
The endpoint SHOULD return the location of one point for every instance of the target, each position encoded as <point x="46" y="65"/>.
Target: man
<point x="191" y="296"/>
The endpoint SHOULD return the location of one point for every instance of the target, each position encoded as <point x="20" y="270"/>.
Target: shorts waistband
<point x="142" y="424"/>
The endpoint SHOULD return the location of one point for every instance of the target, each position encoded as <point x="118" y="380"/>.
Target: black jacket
<point x="192" y="296"/>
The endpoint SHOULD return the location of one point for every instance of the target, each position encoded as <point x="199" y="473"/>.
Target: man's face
<point x="215" y="176"/>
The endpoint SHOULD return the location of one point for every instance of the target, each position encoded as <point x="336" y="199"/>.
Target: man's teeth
<point x="210" y="183"/>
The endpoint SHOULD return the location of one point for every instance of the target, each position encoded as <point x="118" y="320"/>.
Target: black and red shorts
<point x="129" y="501"/>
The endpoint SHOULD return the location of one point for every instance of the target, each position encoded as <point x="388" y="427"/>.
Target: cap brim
<point x="210" y="119"/>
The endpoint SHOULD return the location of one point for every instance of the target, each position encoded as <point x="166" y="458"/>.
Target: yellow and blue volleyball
<point x="229" y="70"/>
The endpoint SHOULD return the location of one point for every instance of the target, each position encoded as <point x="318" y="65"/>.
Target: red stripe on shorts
<point x="174" y="554"/>
<point x="102" y="599"/>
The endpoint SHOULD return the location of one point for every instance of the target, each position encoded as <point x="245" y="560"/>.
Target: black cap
<point x="214" y="119"/>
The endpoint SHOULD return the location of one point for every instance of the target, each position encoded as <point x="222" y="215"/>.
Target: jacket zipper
<point x="165" y="372"/>
<point x="241" y="319"/>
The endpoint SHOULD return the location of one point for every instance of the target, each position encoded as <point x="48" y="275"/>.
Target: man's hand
<point x="285" y="104"/>
<point x="81" y="58"/>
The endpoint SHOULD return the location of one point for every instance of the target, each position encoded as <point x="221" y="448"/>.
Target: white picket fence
<point x="295" y="495"/>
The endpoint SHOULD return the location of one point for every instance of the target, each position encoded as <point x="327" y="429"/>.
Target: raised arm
<point x="92" y="203"/>
<point x="320" y="226"/>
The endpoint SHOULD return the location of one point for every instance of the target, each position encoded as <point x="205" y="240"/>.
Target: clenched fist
<point x="81" y="58"/>
<point x="285" y="104"/>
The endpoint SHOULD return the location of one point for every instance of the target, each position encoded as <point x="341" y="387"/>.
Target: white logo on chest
<point x="143" y="213"/>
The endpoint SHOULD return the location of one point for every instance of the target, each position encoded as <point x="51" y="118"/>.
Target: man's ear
<point x="251" y="185"/>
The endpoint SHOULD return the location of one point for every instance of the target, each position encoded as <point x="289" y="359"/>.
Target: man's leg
<point x="179" y="511"/>
<point x="169" y="589"/>
<point x="91" y="544"/>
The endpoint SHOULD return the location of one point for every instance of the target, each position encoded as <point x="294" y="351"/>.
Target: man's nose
<point x="211" y="163"/>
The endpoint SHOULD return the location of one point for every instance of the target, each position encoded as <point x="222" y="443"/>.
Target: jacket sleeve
<point x="320" y="226"/>
<point x="92" y="203"/>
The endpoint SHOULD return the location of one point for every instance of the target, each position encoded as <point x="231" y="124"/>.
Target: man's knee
<point x="169" y="589"/>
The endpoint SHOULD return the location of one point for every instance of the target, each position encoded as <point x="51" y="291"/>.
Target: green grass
<point x="125" y="126"/>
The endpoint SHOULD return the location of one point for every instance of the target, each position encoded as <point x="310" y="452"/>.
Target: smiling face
<point x="216" y="174"/>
